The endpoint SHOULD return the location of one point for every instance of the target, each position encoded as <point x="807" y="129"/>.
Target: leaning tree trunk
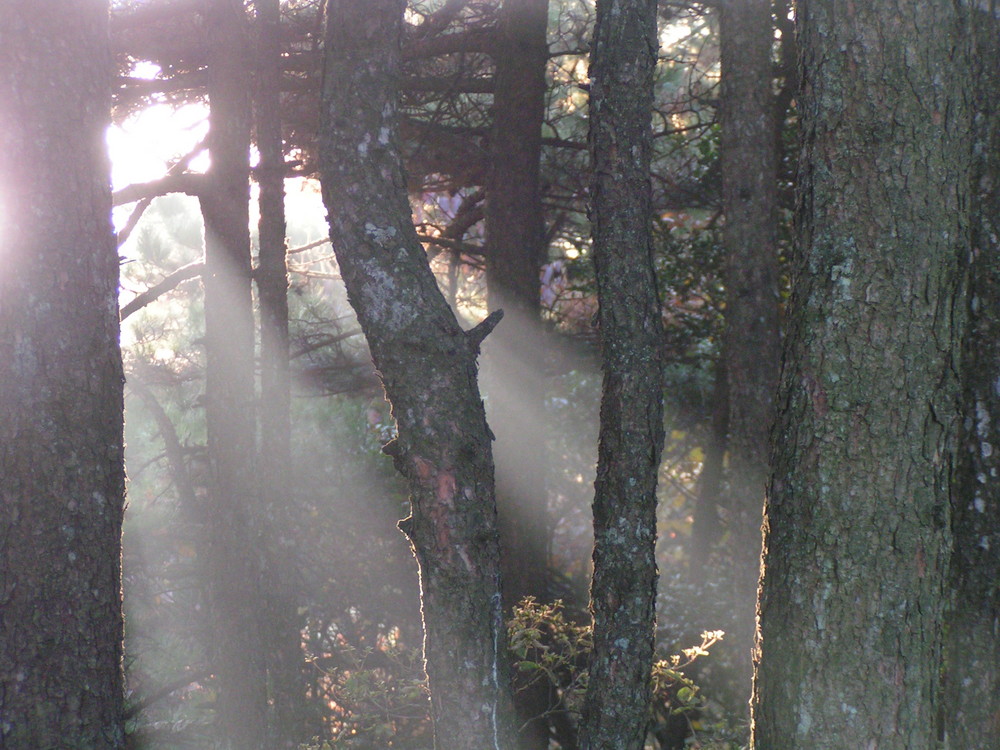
<point x="751" y="343"/>
<point x="230" y="539"/>
<point x="857" y="517"/>
<point x="971" y="713"/>
<point x="428" y="368"/>
<point x="623" y="593"/>
<point x="61" y="466"/>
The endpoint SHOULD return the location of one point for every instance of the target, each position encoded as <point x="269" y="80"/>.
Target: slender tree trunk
<point x="272" y="273"/>
<point x="514" y="219"/>
<point x="514" y="252"/>
<point x="61" y="463"/>
<point x="515" y="246"/>
<point x="972" y="711"/>
<point x="623" y="593"/>
<point x="290" y="722"/>
<point x="857" y="518"/>
<point x="231" y="535"/>
<point x="751" y="343"/>
<point x="428" y="368"/>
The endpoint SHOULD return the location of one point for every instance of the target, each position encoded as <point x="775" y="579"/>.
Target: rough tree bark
<point x="751" y="342"/>
<point x="623" y="592"/>
<point x="971" y="711"/>
<point x="230" y="548"/>
<point x="857" y="518"/>
<point x="512" y="362"/>
<point x="428" y="368"/>
<point x="61" y="462"/>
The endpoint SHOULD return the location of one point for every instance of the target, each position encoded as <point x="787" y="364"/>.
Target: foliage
<point x="378" y="699"/>
<point x="548" y="646"/>
<point x="382" y="703"/>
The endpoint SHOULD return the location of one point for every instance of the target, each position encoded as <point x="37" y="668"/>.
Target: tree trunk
<point x="231" y="535"/>
<point x="706" y="525"/>
<point x="428" y="368"/>
<point x="623" y="593"/>
<point x="971" y="712"/>
<point x="751" y="343"/>
<point x="61" y="463"/>
<point x="857" y="517"/>
<point x="515" y="247"/>
<point x="512" y="364"/>
<point x="290" y="721"/>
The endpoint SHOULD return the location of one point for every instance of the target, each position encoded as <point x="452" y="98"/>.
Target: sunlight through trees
<point x="340" y="532"/>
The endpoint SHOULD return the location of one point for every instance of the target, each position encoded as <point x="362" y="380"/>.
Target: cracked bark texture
<point x="857" y="529"/>
<point x="427" y="364"/>
<point x="971" y="713"/>
<point x="623" y="591"/>
<point x="61" y="461"/>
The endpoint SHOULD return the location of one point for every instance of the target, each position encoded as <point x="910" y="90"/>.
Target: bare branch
<point x="478" y="40"/>
<point x="160" y="693"/>
<point x="177" y="168"/>
<point x="320" y="342"/>
<point x="438" y="21"/>
<point x="484" y="328"/>
<point x="190" y="271"/>
<point x="450" y="85"/>
<point x="310" y="246"/>
<point x="189" y="183"/>
<point x="139" y="87"/>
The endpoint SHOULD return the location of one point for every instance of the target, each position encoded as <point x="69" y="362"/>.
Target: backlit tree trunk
<point x="61" y="472"/>
<point x="230" y="542"/>
<point x="428" y="368"/>
<point x="623" y="593"/>
<point x="512" y="365"/>
<point x="281" y="623"/>
<point x="751" y="343"/>
<point x="857" y="516"/>
<point x="514" y="250"/>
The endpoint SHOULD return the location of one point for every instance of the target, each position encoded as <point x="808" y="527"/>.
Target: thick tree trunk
<point x="281" y="624"/>
<point x="512" y="364"/>
<point x="61" y="472"/>
<point x="751" y="344"/>
<point x="428" y="368"/>
<point x="623" y="593"/>
<point x="972" y="712"/>
<point x="857" y="516"/>
<point x="230" y="531"/>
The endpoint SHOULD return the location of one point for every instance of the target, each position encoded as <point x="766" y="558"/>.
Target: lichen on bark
<point x="623" y="591"/>
<point x="857" y="537"/>
<point x="427" y="364"/>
